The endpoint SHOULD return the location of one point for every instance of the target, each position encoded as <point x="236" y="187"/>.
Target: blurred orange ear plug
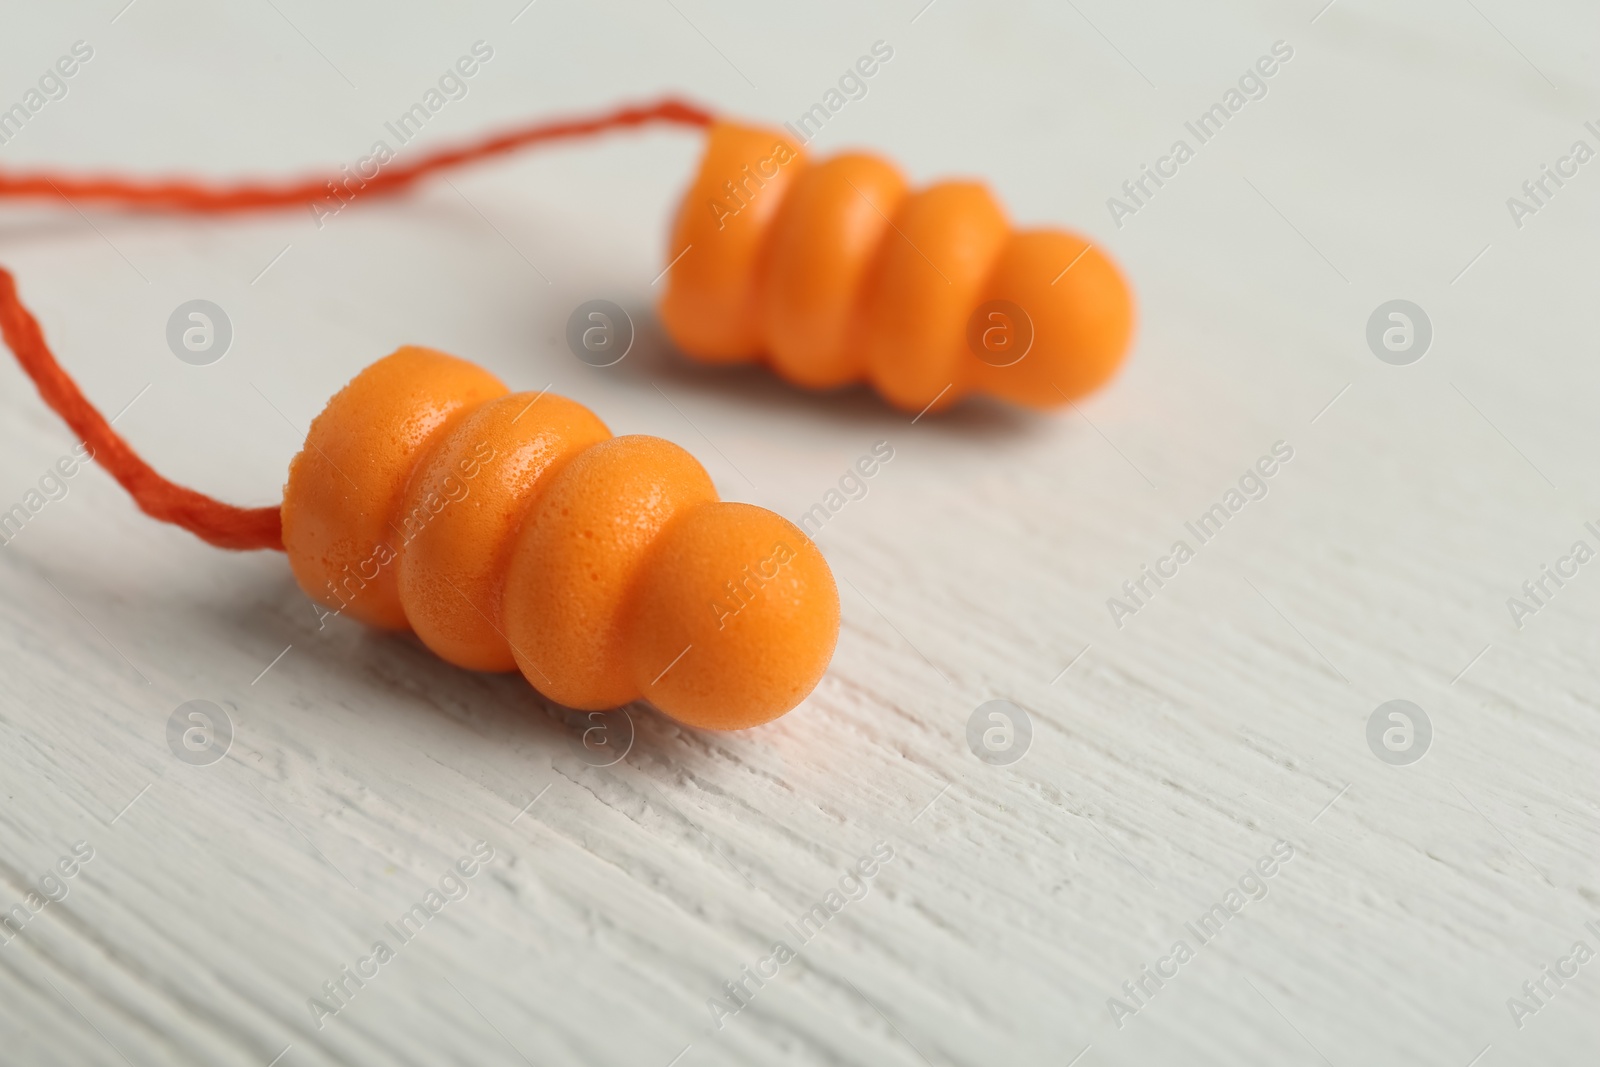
<point x="511" y="530"/>
<point x="834" y="272"/>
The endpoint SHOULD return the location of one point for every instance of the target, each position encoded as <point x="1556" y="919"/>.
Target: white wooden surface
<point x="1228" y="714"/>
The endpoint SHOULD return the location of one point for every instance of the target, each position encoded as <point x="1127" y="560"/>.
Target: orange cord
<point x="194" y="197"/>
<point x="214" y="522"/>
<point x="210" y="520"/>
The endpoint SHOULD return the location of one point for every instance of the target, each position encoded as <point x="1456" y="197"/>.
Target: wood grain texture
<point x="1168" y="754"/>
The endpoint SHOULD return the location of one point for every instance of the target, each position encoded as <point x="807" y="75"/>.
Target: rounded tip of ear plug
<point x="1080" y="313"/>
<point x="735" y="618"/>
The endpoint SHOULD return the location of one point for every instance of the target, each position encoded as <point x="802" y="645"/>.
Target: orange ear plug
<point x="834" y="272"/>
<point x="512" y="530"/>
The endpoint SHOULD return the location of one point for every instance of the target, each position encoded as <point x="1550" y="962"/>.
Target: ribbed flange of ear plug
<point x="512" y="530"/>
<point x="835" y="272"/>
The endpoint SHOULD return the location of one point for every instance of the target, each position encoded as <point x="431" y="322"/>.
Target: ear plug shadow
<point x="851" y="408"/>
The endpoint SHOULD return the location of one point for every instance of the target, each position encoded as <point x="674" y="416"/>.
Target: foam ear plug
<point x="836" y="272"/>
<point x="511" y="530"/>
